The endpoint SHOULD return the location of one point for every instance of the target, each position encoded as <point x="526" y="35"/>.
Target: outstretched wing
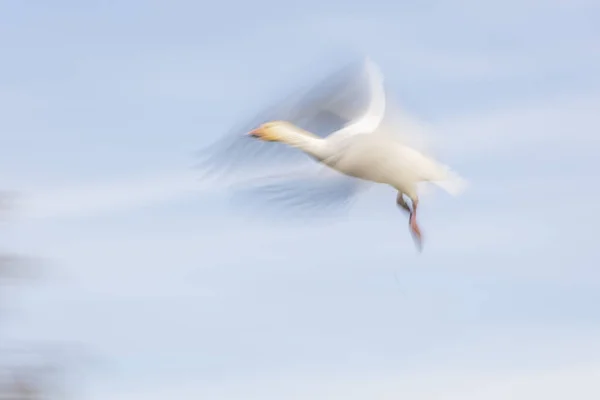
<point x="326" y="107"/>
<point x="314" y="193"/>
<point x="406" y="128"/>
<point x="368" y="121"/>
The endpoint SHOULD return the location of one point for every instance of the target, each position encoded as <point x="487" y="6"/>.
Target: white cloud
<point x="569" y="381"/>
<point x="88" y="199"/>
<point x="95" y="199"/>
<point x="555" y="124"/>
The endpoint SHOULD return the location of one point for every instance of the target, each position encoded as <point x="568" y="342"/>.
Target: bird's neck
<point x="304" y="140"/>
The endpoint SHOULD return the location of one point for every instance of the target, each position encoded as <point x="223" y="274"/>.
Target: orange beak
<point x="254" y="133"/>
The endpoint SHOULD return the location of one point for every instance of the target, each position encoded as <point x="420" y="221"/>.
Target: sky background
<point x="182" y="295"/>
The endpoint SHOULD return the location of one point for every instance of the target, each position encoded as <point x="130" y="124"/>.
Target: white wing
<point x="403" y="127"/>
<point x="382" y="116"/>
<point x="324" y="108"/>
<point x="369" y="121"/>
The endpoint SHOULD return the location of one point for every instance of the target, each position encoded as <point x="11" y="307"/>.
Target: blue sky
<point x="184" y="296"/>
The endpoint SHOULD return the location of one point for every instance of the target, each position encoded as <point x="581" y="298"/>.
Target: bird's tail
<point x="453" y="183"/>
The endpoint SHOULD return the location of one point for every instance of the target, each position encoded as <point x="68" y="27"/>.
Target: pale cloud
<point x="96" y="199"/>
<point x="90" y="199"/>
<point x="569" y="381"/>
<point x="458" y="55"/>
<point x="411" y="61"/>
<point x="553" y="125"/>
<point x="513" y="220"/>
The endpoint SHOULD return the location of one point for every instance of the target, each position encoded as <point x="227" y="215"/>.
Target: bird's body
<point x="374" y="158"/>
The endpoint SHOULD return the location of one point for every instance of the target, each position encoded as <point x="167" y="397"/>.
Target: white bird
<point x="364" y="150"/>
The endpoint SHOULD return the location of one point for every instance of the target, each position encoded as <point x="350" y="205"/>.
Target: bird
<point x="364" y="148"/>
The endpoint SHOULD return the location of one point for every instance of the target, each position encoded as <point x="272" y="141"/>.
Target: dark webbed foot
<point x="402" y="203"/>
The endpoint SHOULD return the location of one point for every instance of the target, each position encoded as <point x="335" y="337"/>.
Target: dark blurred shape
<point x="13" y="268"/>
<point x="6" y="199"/>
<point x="29" y="371"/>
<point x="31" y="374"/>
<point x="16" y="268"/>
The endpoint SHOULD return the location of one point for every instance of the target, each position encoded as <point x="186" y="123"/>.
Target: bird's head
<point x="272" y="131"/>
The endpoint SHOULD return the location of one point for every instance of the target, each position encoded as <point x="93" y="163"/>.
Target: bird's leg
<point x="414" y="226"/>
<point x="402" y="203"/>
<point x="412" y="221"/>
